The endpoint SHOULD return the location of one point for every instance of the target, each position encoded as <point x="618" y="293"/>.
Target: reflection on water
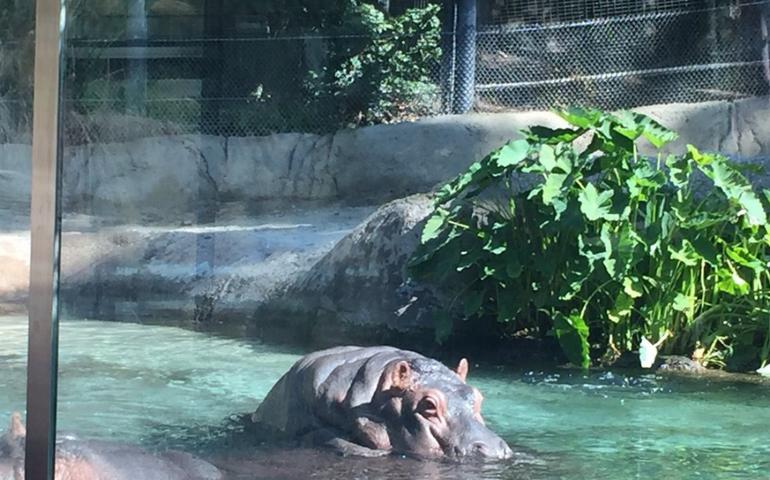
<point x="162" y="386"/>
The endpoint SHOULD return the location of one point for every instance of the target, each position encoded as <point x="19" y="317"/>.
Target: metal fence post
<point x="44" y="229"/>
<point x="448" y="54"/>
<point x="465" y="80"/>
<point x="764" y="18"/>
<point x="137" y="62"/>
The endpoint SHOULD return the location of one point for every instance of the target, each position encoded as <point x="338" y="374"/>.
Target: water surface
<point x="168" y="387"/>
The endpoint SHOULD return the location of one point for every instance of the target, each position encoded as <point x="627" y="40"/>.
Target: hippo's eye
<point x="428" y="407"/>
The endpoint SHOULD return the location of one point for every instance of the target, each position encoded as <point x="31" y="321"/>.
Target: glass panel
<point x="246" y="183"/>
<point x="16" y="70"/>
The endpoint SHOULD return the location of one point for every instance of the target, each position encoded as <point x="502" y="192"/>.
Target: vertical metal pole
<point x="44" y="220"/>
<point x="136" y="81"/>
<point x="465" y="83"/>
<point x="712" y="38"/>
<point x="764" y="19"/>
<point x="448" y="58"/>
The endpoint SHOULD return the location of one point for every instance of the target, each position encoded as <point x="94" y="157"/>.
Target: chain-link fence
<point x="687" y="54"/>
<point x="533" y="54"/>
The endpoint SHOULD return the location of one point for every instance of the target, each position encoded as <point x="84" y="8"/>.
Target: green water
<point x="163" y="386"/>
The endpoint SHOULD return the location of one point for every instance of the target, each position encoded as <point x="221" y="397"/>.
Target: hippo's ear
<point x="462" y="369"/>
<point x="17" y="429"/>
<point x="397" y="375"/>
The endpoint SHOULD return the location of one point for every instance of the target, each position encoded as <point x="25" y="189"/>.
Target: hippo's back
<point x="291" y="406"/>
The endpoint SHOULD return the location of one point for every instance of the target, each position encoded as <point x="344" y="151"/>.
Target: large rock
<point x="359" y="286"/>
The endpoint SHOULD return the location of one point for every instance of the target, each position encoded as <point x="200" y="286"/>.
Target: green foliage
<point x="385" y="76"/>
<point x="606" y="246"/>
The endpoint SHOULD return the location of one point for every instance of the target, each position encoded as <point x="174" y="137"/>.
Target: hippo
<point x="91" y="460"/>
<point x="373" y="401"/>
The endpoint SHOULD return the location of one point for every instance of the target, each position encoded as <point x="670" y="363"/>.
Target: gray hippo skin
<point x="88" y="460"/>
<point x="379" y="400"/>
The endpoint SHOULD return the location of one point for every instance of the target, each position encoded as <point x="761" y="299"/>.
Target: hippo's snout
<point x="499" y="450"/>
<point x="478" y="441"/>
<point x="494" y="450"/>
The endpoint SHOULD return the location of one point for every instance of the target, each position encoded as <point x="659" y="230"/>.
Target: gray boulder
<point x="361" y="283"/>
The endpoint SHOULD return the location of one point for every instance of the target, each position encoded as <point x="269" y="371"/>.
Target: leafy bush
<point x="385" y="77"/>
<point x="606" y="246"/>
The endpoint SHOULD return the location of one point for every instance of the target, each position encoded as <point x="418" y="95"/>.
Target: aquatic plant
<point x="603" y="245"/>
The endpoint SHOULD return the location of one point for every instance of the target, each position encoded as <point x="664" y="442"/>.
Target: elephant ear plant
<point x="605" y="245"/>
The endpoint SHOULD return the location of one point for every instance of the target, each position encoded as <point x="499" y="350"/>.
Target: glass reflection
<point x="246" y="183"/>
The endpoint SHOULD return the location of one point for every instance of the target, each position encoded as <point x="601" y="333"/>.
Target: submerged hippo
<point x="87" y="460"/>
<point x="377" y="400"/>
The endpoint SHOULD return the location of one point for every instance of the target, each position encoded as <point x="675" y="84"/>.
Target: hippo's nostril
<point x="479" y="448"/>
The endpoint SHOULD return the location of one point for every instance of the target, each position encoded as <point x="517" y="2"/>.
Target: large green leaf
<point x="473" y="174"/>
<point x="433" y="226"/>
<point x="621" y="247"/>
<point x="700" y="159"/>
<point x="731" y="282"/>
<point x="633" y="125"/>
<point x="581" y="117"/>
<point x="645" y="178"/>
<point x="633" y="287"/>
<point x="622" y="308"/>
<point x="741" y="255"/>
<point x="609" y="261"/>
<point x="552" y="188"/>
<point x="683" y="303"/>
<point x="551" y="136"/>
<point x="705" y="250"/>
<point x="511" y="154"/>
<point x="753" y="207"/>
<point x="680" y="169"/>
<point x="547" y="157"/>
<point x="572" y="333"/>
<point x="685" y="254"/>
<point x="736" y="188"/>
<point x="596" y="205"/>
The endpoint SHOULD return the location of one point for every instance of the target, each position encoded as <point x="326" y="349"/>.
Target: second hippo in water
<point x="377" y="400"/>
<point x="92" y="460"/>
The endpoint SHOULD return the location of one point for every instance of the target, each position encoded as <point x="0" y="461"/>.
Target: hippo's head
<point x="431" y="412"/>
